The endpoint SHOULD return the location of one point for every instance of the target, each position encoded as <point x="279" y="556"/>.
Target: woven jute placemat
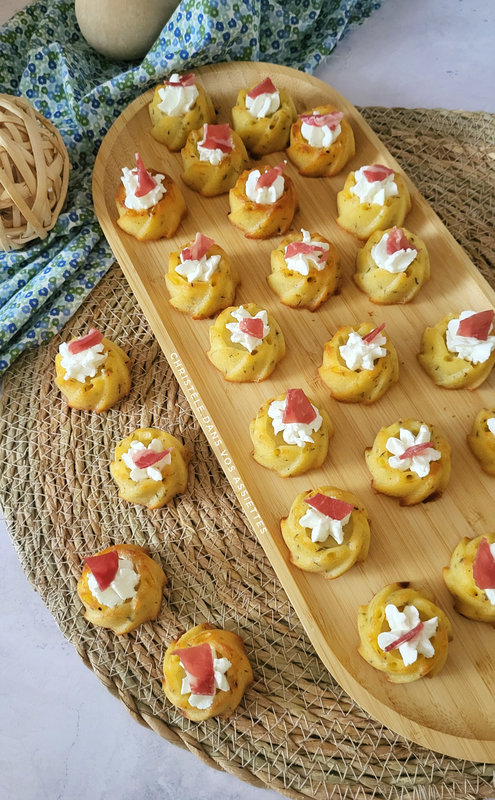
<point x="296" y="730"/>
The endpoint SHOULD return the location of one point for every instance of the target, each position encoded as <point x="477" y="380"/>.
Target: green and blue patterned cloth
<point x="44" y="57"/>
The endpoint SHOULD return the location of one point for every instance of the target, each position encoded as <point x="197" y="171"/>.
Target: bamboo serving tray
<point x="453" y="712"/>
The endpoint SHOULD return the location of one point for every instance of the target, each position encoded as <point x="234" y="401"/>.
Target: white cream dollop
<point x="420" y="464"/>
<point x="267" y="195"/>
<point x="490" y="593"/>
<point x="220" y="667"/>
<point x="264" y="105"/>
<point x="123" y="586"/>
<point x="401" y="622"/>
<point x="79" y="366"/>
<point x="491" y="424"/>
<point x="151" y="198"/>
<point x="301" y="262"/>
<point x="467" y="347"/>
<point x="320" y="135"/>
<point x="392" y="262"/>
<point x="322" y="527"/>
<point x="359" y="354"/>
<point x="177" y="100"/>
<point x="373" y="192"/>
<point x="198" y="269"/>
<point x="141" y="473"/>
<point x="298" y="433"/>
<point x="245" y="339"/>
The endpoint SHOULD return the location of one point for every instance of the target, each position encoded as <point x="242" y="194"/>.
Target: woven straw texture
<point x="296" y="731"/>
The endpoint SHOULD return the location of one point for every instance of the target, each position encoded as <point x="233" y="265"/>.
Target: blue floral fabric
<point x="44" y="57"/>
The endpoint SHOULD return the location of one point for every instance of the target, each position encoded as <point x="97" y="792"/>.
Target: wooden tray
<point x="448" y="713"/>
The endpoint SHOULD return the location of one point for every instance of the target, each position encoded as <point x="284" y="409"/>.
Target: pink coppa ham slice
<point x="323" y="120"/>
<point x="416" y="450"/>
<point x="253" y="326"/>
<point x="377" y="172"/>
<point x="478" y="326"/>
<point x="397" y="240"/>
<point x="85" y="342"/>
<point x="305" y="249"/>
<point x="329" y="506"/>
<point x="145" y="182"/>
<point x="297" y="408"/>
<point x="406" y="637"/>
<point x="146" y="458"/>
<point x="104" y="567"/>
<point x="269" y="177"/>
<point x="484" y="566"/>
<point x="185" y="80"/>
<point x="265" y="87"/>
<point x="198" y="663"/>
<point x="198" y="249"/>
<point x="373" y="334"/>
<point x="217" y="137"/>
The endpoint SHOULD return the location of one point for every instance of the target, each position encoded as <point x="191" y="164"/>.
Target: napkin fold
<point x="44" y="57"/>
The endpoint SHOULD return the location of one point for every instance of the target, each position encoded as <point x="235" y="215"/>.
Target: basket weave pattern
<point x="34" y="173"/>
<point x="296" y="731"/>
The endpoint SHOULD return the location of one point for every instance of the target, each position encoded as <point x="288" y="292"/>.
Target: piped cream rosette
<point x="290" y="435"/>
<point x="409" y="460"/>
<point x="200" y="278"/>
<point x="179" y="106"/>
<point x="470" y="577"/>
<point x="155" y="483"/>
<point x="403" y="633"/>
<point x="374" y="366"/>
<point x="327" y="531"/>
<point x="392" y="266"/>
<point x="322" y="149"/>
<point x="134" y="594"/>
<point x="373" y="198"/>
<point x="303" y="274"/>
<point x="457" y="362"/>
<point x="232" y="671"/>
<point x="246" y="343"/>
<point x="481" y="439"/>
<point x="262" y="117"/>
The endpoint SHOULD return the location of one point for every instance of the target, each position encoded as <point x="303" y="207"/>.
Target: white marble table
<point x="62" y="735"/>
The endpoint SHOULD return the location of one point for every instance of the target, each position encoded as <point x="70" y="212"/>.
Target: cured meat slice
<point x="416" y="450"/>
<point x="304" y="249"/>
<point x="145" y="182"/>
<point x="198" y="664"/>
<point x="269" y="177"/>
<point x="146" y="458"/>
<point x="185" y="80"/>
<point x="477" y="325"/>
<point x="406" y="637"/>
<point x="484" y="566"/>
<point x="376" y="172"/>
<point x="373" y="334"/>
<point x="329" y="506"/>
<point x="265" y="87"/>
<point x="85" y="342"/>
<point x="297" y="408"/>
<point x="397" y="240"/>
<point x="198" y="249"/>
<point x="323" y="120"/>
<point x="104" y="567"/>
<point x="253" y="326"/>
<point x="217" y="137"/>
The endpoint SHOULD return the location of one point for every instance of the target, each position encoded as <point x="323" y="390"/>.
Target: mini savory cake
<point x="373" y="198"/>
<point x="481" y="440"/>
<point x="121" y="587"/>
<point x="409" y="460"/>
<point x="403" y="633"/>
<point x="459" y="351"/>
<point x="206" y="672"/>
<point x="246" y="343"/>
<point x="327" y="531"/>
<point x="321" y="142"/>
<point x="213" y="158"/>
<point x="305" y="270"/>
<point x="150" y="467"/>
<point x="263" y="202"/>
<point x="290" y="435"/>
<point x="200" y="278"/>
<point x="262" y="117"/>
<point x="91" y="372"/>
<point x="470" y="578"/>
<point x="150" y="205"/>
<point x="392" y="266"/>
<point x="359" y="364"/>
<point x="179" y="106"/>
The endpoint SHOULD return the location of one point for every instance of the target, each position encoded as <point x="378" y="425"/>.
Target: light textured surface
<point x="62" y="734"/>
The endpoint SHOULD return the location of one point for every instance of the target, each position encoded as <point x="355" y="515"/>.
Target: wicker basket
<point x="34" y="173"/>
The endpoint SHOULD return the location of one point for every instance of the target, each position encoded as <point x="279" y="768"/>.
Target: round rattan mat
<point x="296" y="731"/>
